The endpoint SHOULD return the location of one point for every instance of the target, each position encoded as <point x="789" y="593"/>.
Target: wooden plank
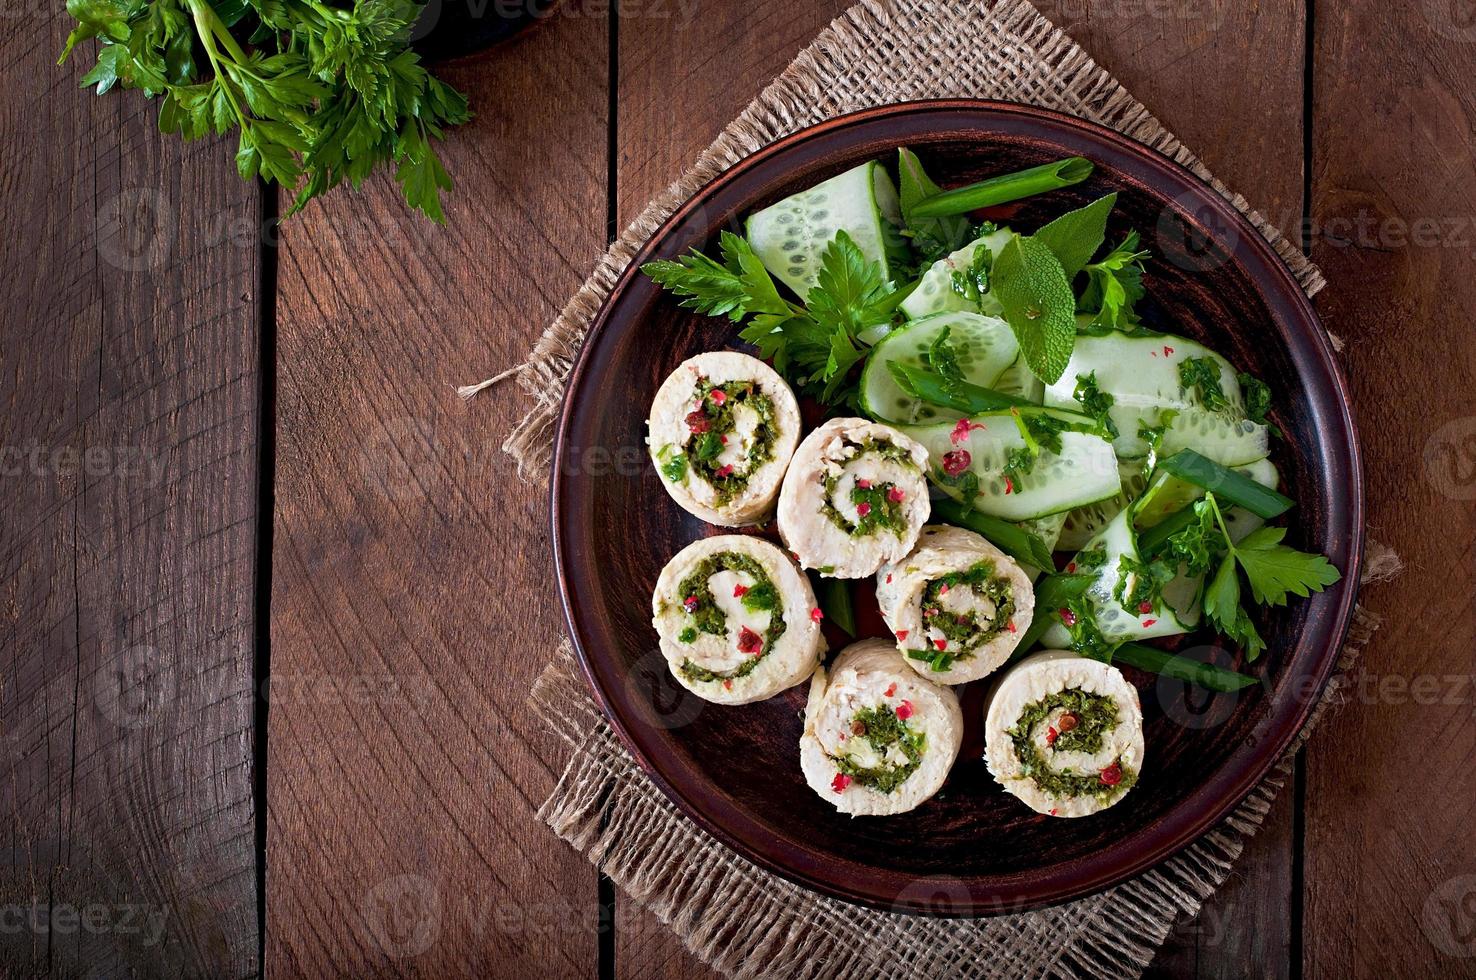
<point x="412" y="603"/>
<point x="128" y="466"/>
<point x="1391" y="878"/>
<point x="677" y="91"/>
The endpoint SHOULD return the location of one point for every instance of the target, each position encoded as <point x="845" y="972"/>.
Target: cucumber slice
<point x="935" y="292"/>
<point x="1084" y="472"/>
<point x="1178" y="613"/>
<point x="1141" y="373"/>
<point x="1019" y="380"/>
<point x="1167" y="494"/>
<point x="1085" y="523"/>
<point x="1048" y="529"/>
<point x="984" y="345"/>
<point x="790" y="236"/>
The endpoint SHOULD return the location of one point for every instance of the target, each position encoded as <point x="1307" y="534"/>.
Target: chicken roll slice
<point x="957" y="605"/>
<point x="736" y="619"/>
<point x="854" y="498"/>
<point x="722" y="429"/>
<point x="1064" y="734"/>
<point x="878" y="739"/>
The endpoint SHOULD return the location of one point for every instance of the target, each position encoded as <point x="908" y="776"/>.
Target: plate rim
<point x="1168" y="843"/>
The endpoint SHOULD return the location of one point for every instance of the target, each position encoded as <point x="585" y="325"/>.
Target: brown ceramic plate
<point x="972" y="849"/>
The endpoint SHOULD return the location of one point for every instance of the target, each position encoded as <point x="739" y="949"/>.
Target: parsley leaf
<point x="1274" y="569"/>
<point x="1095" y="402"/>
<point x="737" y="287"/>
<point x="1202" y="375"/>
<point x="1257" y="397"/>
<point x="943" y="360"/>
<point x="1114" y="286"/>
<point x="1038" y="305"/>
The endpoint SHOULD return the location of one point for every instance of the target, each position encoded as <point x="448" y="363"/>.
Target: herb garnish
<point x="1095" y="402"/>
<point x="883" y="729"/>
<point x="1202" y="375"/>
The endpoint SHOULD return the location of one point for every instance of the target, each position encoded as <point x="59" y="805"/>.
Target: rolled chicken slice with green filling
<point x="878" y="739"/>
<point x="1064" y="734"/>
<point x="736" y="619"/>
<point x="957" y="605"/>
<point x="854" y="498"/>
<point x="722" y="429"/>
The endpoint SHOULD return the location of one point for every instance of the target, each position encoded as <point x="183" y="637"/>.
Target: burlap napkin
<point x="879" y="52"/>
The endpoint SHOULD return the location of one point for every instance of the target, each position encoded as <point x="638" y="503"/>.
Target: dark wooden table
<point x="228" y="455"/>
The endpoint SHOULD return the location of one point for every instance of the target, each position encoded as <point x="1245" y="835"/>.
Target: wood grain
<point x="412" y="605"/>
<point x="128" y="426"/>
<point x="1391" y="873"/>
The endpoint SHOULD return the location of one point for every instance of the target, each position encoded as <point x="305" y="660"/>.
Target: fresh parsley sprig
<point x="318" y="94"/>
<point x="1273" y="570"/>
<point x="816" y="345"/>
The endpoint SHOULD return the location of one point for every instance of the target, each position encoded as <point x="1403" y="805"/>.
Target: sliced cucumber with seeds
<point x="983" y="345"/>
<point x="1019" y="380"/>
<point x="789" y="237"/>
<point x="935" y="292"/>
<point x="1084" y="471"/>
<point x="1085" y="523"/>
<point x="1141" y="373"/>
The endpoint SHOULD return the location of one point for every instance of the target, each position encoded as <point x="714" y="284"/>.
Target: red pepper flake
<point x="902" y="634"/>
<point x="723" y="472"/>
<point x="941" y="643"/>
<point x="1148" y="622"/>
<point x="698" y="421"/>
<point x="739" y="590"/>
<point x="862" y="509"/>
<point x="1145" y="607"/>
<point x="864" y="484"/>
<point x="889" y="578"/>
<point x="728" y="684"/>
<point x="1055" y="812"/>
<point x="749" y="641"/>
<point x="1010" y="626"/>
<point x="1067" y="616"/>
<point x="895" y="495"/>
<point x="891" y="689"/>
<point x="1051" y="736"/>
<point x="904" y="711"/>
<point x="1167" y="351"/>
<point x="930" y="612"/>
<point x="1071" y="566"/>
<point x="1154" y="353"/>
<point x="718" y="396"/>
<point x="1112" y="775"/>
<point x="840" y="782"/>
<point x="943" y="589"/>
<point x="723" y="440"/>
<point x="690" y="603"/>
<point x="816" y="615"/>
<point x="1068" y="722"/>
<point x="1009" y="485"/>
<point x="956" y="462"/>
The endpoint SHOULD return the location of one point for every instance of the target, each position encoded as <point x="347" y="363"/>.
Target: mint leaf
<point x="1075" y="236"/>
<point x="1038" y="305"/>
<point x="1274" y="569"/>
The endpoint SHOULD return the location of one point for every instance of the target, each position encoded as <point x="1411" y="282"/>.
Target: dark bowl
<point x="972" y="850"/>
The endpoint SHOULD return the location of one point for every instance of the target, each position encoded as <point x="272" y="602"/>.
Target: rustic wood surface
<point x="408" y="567"/>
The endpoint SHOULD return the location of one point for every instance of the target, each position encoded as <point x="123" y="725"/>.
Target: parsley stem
<point x="205" y="27"/>
<point x="1005" y="188"/>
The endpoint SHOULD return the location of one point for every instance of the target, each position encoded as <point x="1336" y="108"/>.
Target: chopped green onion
<point x="1005" y="188"/>
<point x="835" y="601"/>
<point x="961" y="396"/>
<point x="1227" y="484"/>
<point x="1152" y="540"/>
<point x="1157" y="661"/>
<point x="1014" y="541"/>
<point x="1051" y="593"/>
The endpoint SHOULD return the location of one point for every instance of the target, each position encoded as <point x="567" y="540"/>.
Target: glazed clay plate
<point x="972" y="850"/>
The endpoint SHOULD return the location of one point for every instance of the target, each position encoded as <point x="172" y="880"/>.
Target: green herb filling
<point x="883" y="729"/>
<point x="1096" y="715"/>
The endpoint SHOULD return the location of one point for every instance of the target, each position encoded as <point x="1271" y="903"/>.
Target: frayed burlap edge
<point x="877" y="53"/>
<point x="743" y="921"/>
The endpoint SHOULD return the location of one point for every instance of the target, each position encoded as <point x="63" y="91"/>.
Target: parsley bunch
<point x="816" y="344"/>
<point x="319" y="93"/>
